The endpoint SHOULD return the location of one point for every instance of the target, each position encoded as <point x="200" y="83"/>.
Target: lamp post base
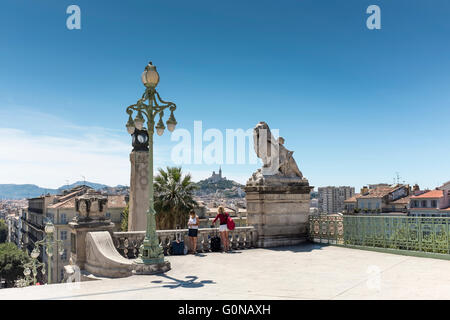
<point x="140" y="267"/>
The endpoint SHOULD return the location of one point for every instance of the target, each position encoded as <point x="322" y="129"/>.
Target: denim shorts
<point x="192" y="232"/>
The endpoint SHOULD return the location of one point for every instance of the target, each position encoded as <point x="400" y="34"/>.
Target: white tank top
<point x="193" y="221"/>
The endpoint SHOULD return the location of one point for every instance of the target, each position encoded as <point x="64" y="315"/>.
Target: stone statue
<point x="278" y="195"/>
<point x="277" y="160"/>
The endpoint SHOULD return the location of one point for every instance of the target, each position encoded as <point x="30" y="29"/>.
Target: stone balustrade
<point x="128" y="243"/>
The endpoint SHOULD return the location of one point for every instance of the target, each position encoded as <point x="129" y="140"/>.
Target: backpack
<point x="216" y="246"/>
<point x="230" y="224"/>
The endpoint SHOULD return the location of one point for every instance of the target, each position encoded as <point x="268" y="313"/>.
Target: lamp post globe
<point x="49" y="228"/>
<point x="150" y="77"/>
<point x="35" y="253"/>
<point x="130" y="125"/>
<point x="27" y="272"/>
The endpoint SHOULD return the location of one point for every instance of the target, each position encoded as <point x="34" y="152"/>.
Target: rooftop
<point x="116" y="201"/>
<point x="377" y="192"/>
<point x="310" y="271"/>
<point x="430" y="194"/>
<point x="352" y="199"/>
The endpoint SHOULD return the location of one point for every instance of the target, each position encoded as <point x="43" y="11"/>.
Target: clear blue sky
<point x="356" y="105"/>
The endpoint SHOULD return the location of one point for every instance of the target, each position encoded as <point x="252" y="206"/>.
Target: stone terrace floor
<point x="309" y="271"/>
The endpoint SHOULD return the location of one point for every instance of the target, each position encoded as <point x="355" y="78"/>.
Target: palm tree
<point x="174" y="198"/>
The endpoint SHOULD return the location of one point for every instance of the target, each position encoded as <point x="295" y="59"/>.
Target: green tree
<point x="174" y="198"/>
<point x="3" y="231"/>
<point x="124" y="222"/>
<point x="12" y="260"/>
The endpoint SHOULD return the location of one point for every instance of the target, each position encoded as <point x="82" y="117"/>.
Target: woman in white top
<point x="193" y="230"/>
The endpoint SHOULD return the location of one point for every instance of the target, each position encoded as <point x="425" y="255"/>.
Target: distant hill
<point x="22" y="191"/>
<point x="227" y="188"/>
<point x="93" y="185"/>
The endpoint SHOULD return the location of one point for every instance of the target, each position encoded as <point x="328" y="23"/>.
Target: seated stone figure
<point x="277" y="160"/>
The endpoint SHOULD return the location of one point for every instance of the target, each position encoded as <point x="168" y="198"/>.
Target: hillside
<point x="22" y="191"/>
<point x="227" y="188"/>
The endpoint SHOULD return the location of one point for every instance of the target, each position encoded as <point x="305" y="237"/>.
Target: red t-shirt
<point x="222" y="217"/>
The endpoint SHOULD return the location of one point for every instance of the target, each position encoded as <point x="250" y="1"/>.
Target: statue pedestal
<point x="278" y="210"/>
<point x="141" y="268"/>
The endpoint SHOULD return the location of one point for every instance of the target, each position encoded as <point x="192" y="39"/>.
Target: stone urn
<point x="91" y="206"/>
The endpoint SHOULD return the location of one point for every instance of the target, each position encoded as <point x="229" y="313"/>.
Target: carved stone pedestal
<point x="91" y="208"/>
<point x="279" y="212"/>
<point x="78" y="238"/>
<point x="140" y="268"/>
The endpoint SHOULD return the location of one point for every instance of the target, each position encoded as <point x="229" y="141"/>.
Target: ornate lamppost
<point x="151" y="253"/>
<point x="49" y="242"/>
<point x="31" y="270"/>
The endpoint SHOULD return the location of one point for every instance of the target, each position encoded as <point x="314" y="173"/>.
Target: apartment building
<point x="332" y="199"/>
<point x="432" y="203"/>
<point x="60" y="210"/>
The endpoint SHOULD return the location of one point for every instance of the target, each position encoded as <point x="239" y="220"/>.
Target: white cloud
<point x="52" y="151"/>
<point x="49" y="161"/>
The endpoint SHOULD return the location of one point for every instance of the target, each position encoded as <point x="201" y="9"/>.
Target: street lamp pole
<point x="48" y="242"/>
<point x="150" y="251"/>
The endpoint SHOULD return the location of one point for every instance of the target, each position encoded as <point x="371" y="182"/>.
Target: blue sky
<point x="356" y="105"/>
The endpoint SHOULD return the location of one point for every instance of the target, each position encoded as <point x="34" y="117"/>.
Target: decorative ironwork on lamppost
<point x="48" y="242"/>
<point x="150" y="251"/>
<point x="31" y="270"/>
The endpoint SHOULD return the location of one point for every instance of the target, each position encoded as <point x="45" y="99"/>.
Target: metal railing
<point x="418" y="234"/>
<point x="128" y="243"/>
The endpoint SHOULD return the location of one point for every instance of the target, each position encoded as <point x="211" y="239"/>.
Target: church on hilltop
<point x="216" y="177"/>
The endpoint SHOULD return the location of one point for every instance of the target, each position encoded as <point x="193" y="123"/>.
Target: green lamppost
<point x="31" y="270"/>
<point x="150" y="106"/>
<point x="49" y="242"/>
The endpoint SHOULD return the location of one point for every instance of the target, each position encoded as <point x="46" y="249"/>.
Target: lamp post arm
<point x="167" y="103"/>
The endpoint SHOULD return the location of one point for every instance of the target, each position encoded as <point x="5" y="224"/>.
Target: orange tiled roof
<point x="430" y="194"/>
<point x="378" y="192"/>
<point x="70" y="203"/>
<point x="352" y="199"/>
<point x="404" y="200"/>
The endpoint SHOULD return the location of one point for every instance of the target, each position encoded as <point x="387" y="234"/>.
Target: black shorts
<point x="192" y="232"/>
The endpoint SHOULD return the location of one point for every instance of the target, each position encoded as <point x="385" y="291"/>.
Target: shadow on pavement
<point x="304" y="247"/>
<point x="176" y="283"/>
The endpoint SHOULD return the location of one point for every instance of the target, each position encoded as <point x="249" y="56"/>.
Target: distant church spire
<point x="220" y="171"/>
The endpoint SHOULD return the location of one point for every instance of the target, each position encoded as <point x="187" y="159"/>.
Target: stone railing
<point x="128" y="243"/>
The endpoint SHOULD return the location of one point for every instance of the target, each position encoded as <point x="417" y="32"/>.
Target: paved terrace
<point x="310" y="271"/>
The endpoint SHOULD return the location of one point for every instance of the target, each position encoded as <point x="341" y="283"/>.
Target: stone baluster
<point x="206" y="242"/>
<point x="235" y="240"/>
<point x="253" y="237"/>
<point x="241" y="243"/>
<point x="199" y="243"/>
<point x="168" y="242"/>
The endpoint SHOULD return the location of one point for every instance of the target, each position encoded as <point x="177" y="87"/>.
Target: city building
<point x="60" y="209"/>
<point x="34" y="220"/>
<point x="432" y="203"/>
<point x="331" y="199"/>
<point x="350" y="205"/>
<point x="382" y="199"/>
